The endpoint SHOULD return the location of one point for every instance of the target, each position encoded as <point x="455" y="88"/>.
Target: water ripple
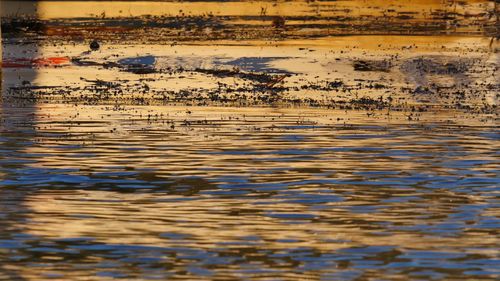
<point x="254" y="194"/>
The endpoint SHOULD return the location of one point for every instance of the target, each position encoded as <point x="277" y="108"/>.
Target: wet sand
<point x="441" y="54"/>
<point x="342" y="73"/>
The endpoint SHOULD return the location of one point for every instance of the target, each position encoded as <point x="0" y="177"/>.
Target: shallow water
<point x="176" y="192"/>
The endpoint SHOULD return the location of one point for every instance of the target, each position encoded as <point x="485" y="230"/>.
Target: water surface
<point x="176" y="192"/>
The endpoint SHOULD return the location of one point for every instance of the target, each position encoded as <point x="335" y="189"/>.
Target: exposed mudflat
<point x="368" y="72"/>
<point x="338" y="54"/>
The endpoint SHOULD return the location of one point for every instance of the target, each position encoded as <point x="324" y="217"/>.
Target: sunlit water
<point x="138" y="193"/>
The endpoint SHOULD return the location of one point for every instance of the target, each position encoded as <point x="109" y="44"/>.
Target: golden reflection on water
<point x="251" y="183"/>
<point x="96" y="192"/>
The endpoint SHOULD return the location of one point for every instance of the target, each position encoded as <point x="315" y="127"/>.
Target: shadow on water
<point x="16" y="133"/>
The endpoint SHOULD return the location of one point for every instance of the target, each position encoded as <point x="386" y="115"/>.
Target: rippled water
<point x="96" y="192"/>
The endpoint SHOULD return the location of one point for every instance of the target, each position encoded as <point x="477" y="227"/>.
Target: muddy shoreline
<point x="322" y="54"/>
<point x="342" y="77"/>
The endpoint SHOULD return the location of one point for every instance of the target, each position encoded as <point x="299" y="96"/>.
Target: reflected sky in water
<point x="258" y="193"/>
